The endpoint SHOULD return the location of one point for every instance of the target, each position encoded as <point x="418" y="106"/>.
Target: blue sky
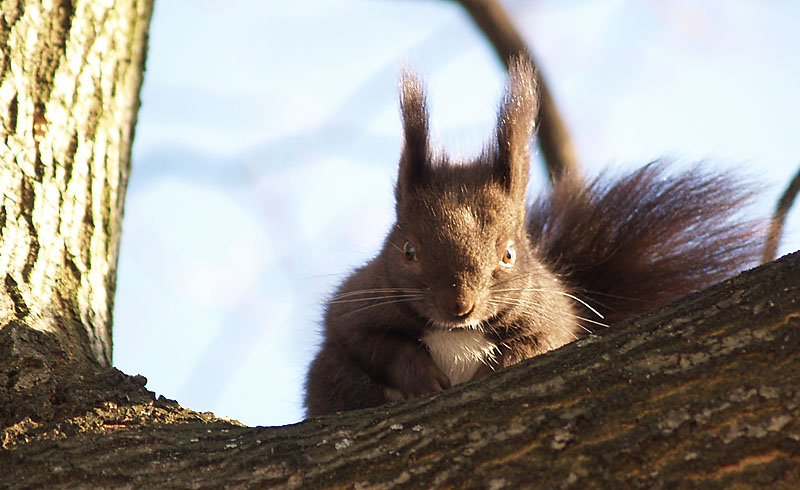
<point x="268" y="138"/>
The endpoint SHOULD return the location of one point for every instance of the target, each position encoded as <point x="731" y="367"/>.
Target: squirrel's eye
<point x="508" y="258"/>
<point x="409" y="251"/>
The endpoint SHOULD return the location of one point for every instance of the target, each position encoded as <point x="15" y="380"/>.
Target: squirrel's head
<point x="460" y="232"/>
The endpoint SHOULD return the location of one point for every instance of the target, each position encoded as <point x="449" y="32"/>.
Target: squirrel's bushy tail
<point x="629" y="245"/>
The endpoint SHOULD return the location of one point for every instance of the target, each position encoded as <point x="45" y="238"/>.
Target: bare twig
<point x="779" y="218"/>
<point x="553" y="136"/>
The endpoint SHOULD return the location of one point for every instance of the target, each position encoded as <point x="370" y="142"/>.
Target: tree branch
<point x="704" y="392"/>
<point x="553" y="136"/>
<point x="779" y="218"/>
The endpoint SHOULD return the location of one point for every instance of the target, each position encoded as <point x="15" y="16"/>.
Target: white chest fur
<point x="459" y="353"/>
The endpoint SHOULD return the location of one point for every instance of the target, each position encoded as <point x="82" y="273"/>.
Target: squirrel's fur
<point x="470" y="280"/>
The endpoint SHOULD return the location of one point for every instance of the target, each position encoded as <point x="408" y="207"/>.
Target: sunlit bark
<point x="70" y="75"/>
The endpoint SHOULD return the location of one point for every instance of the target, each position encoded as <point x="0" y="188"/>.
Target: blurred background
<point x="268" y="139"/>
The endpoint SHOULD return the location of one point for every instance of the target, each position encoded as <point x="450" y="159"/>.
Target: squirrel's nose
<point x="461" y="308"/>
<point x="457" y="301"/>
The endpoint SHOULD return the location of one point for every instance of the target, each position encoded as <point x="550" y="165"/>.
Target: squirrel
<point x="470" y="279"/>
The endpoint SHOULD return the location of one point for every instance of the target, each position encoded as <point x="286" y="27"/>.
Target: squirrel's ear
<point x="515" y="124"/>
<point x="416" y="147"/>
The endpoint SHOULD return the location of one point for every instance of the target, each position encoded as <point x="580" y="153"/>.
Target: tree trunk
<point x="70" y="75"/>
<point x="704" y="392"/>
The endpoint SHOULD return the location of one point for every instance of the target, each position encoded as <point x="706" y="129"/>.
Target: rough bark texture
<point x="70" y="74"/>
<point x="704" y="392"/>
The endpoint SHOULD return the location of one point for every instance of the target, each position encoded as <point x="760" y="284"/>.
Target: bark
<point x="70" y="74"/>
<point x="704" y="392"/>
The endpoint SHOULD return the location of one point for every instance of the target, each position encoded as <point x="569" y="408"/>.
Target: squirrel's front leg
<point x="410" y="370"/>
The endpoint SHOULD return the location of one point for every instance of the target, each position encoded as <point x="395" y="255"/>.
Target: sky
<point x="267" y="144"/>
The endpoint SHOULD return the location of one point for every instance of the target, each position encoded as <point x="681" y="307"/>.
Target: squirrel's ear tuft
<point x="415" y="157"/>
<point x="515" y="123"/>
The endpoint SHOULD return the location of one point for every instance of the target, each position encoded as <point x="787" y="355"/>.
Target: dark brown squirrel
<point x="469" y="280"/>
